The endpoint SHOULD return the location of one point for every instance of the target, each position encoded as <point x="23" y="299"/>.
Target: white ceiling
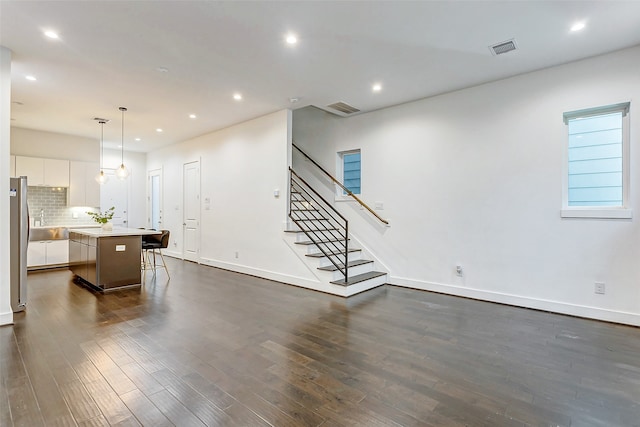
<point x="110" y="52"/>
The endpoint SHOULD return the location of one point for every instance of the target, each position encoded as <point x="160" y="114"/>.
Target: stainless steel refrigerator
<point x="19" y="236"/>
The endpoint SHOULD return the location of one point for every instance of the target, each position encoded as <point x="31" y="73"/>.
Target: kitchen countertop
<point x="117" y="231"/>
<point x="70" y="227"/>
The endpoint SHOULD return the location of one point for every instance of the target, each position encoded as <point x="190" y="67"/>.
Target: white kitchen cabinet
<point x="56" y="173"/>
<point x="13" y="165"/>
<point x="44" y="253"/>
<point x="43" y="172"/>
<point x="58" y="252"/>
<point x="32" y="168"/>
<point x="37" y="253"/>
<point x="83" y="188"/>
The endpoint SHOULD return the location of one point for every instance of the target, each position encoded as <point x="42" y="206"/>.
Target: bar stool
<point x="154" y="243"/>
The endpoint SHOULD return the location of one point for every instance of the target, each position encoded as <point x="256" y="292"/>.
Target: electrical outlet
<point x="599" y="288"/>
<point x="459" y="271"/>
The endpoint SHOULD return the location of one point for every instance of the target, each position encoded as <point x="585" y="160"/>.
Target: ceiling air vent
<point x="342" y="109"/>
<point x="504" y="47"/>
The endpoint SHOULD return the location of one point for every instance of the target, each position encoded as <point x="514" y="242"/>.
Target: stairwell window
<point x="597" y="166"/>
<point x="349" y="167"/>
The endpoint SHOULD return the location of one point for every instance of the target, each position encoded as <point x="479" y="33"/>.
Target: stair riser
<point x="307" y="214"/>
<point x="327" y="247"/>
<point x="365" y="285"/>
<point x="358" y="269"/>
<point x="326" y="235"/>
<point x="324" y="261"/>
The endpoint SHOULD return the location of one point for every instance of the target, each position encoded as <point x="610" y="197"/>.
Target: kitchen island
<point x="107" y="260"/>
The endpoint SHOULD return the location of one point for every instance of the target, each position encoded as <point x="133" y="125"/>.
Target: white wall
<point x="241" y="166"/>
<point x="474" y="177"/>
<point x="136" y="183"/>
<point x="35" y="143"/>
<point x="6" y="313"/>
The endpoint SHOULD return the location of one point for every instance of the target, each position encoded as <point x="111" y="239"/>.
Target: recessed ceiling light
<point x="192" y="116"/>
<point x="51" y="34"/>
<point x="237" y="96"/>
<point x="376" y="87"/>
<point x="291" y="39"/>
<point x="578" y="26"/>
<point x="138" y="139"/>
<point x="119" y="146"/>
<point x="158" y="130"/>
<point x="32" y="78"/>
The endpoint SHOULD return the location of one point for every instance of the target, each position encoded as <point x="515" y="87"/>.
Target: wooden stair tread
<point x="353" y="263"/>
<point x="359" y="278"/>
<point x="321" y="255"/>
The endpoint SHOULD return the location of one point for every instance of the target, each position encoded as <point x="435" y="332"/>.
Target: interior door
<point x="154" y="219"/>
<point x="115" y="193"/>
<point x="191" y="223"/>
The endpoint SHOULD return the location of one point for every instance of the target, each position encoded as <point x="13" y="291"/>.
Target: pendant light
<point x="122" y="172"/>
<point x="101" y="177"/>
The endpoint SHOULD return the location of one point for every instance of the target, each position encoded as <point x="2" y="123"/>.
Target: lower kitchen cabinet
<point x="47" y="253"/>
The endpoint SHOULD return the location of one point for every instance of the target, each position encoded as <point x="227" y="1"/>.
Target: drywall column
<point x="6" y="314"/>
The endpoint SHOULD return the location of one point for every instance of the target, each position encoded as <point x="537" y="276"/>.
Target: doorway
<point x="115" y="192"/>
<point x="191" y="223"/>
<point x="154" y="181"/>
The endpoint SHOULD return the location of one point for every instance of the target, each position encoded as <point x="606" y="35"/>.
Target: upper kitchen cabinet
<point x="13" y="165"/>
<point x="83" y="188"/>
<point x="43" y="172"/>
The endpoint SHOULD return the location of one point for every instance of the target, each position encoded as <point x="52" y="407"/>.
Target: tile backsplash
<point x="52" y="202"/>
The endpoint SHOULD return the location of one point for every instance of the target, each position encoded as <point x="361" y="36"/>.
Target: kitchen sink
<point x="49" y="233"/>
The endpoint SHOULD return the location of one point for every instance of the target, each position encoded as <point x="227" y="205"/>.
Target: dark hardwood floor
<point x="212" y="347"/>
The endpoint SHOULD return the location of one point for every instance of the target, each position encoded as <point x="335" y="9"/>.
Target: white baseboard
<point x="266" y="274"/>
<point x="520" y="301"/>
<point x="6" y="318"/>
<point x="172" y="254"/>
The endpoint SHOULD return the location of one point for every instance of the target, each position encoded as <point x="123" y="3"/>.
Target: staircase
<point x="322" y="234"/>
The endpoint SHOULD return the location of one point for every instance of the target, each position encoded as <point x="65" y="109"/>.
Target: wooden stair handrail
<point x="346" y="190"/>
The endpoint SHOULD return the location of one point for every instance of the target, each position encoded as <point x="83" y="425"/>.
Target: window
<point x="597" y="167"/>
<point x="349" y="164"/>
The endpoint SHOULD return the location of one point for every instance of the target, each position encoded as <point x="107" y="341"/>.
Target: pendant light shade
<point x="122" y="172"/>
<point x="101" y="177"/>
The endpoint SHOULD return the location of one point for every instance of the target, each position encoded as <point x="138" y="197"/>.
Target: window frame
<point x="603" y="212"/>
<point x="340" y="196"/>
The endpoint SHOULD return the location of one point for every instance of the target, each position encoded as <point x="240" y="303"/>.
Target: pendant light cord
<point x="123" y="109"/>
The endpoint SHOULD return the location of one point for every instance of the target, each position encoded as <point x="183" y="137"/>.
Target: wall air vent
<point x="504" y="47"/>
<point x="342" y="109"/>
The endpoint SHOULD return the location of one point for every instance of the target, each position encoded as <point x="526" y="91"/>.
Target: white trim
<point x="6" y="318"/>
<point x="613" y="212"/>
<point x="265" y="274"/>
<point x="586" y="212"/>
<point x="520" y="301"/>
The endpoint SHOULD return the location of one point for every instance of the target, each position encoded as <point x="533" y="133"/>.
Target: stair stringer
<point x="325" y="277"/>
<point x="380" y="266"/>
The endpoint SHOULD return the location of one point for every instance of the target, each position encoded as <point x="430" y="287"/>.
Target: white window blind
<point x="596" y="157"/>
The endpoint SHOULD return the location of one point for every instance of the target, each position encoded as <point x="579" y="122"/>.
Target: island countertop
<point x="117" y="231"/>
